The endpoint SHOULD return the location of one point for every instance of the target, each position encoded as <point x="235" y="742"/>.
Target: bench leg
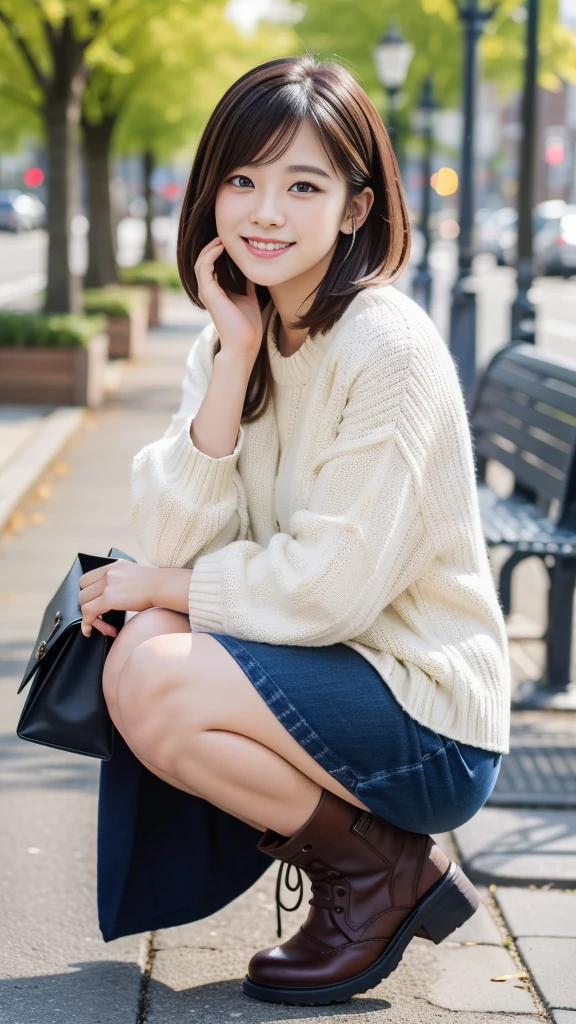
<point x="505" y="578"/>
<point x="560" y="607"/>
<point x="554" y="689"/>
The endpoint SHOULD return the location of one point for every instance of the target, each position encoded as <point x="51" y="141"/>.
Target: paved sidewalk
<point x="54" y="966"/>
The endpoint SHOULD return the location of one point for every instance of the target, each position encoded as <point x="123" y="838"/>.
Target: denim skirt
<point x="340" y="710"/>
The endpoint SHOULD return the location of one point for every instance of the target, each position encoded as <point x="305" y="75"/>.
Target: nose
<point x="266" y="211"/>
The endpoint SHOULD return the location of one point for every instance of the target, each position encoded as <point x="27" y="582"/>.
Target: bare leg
<point x="188" y="709"/>
<point x="141" y="627"/>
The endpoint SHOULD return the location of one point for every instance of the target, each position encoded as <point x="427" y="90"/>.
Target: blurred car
<point x="489" y="226"/>
<point x="545" y="217"/>
<point x="20" y="212"/>
<point x="554" y="247"/>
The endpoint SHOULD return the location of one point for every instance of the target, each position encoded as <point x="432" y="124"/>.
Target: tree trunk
<point x="102" y="267"/>
<point x="63" y="288"/>
<point x="61" y="111"/>
<point x="149" y="166"/>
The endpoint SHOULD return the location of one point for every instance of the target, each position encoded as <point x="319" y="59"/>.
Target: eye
<point x="242" y="177"/>
<point x="307" y="185"/>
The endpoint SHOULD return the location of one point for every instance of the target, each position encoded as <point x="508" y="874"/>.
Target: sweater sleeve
<point x="360" y="541"/>
<point x="183" y="501"/>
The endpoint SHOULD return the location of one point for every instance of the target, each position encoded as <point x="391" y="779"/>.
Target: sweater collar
<point x="301" y="365"/>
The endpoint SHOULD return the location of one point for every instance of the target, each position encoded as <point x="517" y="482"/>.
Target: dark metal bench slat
<point x="541" y="391"/>
<point x="531" y="475"/>
<point x="526" y="442"/>
<point x="496" y="396"/>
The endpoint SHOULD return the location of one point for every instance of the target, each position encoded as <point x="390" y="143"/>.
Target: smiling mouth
<point x="266" y="248"/>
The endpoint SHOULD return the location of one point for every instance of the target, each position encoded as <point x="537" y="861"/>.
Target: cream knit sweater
<point x="348" y="512"/>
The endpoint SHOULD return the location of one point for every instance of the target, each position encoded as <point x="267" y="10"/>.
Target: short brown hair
<point x="258" y="117"/>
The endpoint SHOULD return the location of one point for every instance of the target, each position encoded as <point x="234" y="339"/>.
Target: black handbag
<point x="65" y="707"/>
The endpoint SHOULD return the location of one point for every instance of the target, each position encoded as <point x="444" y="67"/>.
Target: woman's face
<point x="298" y="201"/>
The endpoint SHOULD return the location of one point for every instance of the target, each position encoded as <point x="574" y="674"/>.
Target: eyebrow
<point x="308" y="168"/>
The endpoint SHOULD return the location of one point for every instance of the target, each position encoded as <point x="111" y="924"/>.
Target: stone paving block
<point x="249" y="921"/>
<point x="538" y="912"/>
<point x="53" y="961"/>
<point x="463" y="981"/>
<point x="564" y="1016"/>
<point x="198" y="985"/>
<point x="551" y="964"/>
<point x="508" y="846"/>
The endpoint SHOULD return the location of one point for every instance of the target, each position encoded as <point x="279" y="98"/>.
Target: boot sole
<point x="445" y="907"/>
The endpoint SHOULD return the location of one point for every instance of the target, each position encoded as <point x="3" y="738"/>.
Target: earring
<point x="353" y="239"/>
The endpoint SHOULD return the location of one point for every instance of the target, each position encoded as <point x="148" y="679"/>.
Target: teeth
<point x="268" y="245"/>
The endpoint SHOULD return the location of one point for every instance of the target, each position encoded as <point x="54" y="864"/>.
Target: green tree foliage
<point x="351" y="30"/>
<point x="152" y="91"/>
<point x="56" y="42"/>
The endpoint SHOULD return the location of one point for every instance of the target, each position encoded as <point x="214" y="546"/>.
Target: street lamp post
<point x="424" y="120"/>
<point x="523" y="313"/>
<point x="392" y="58"/>
<point x="463" y="311"/>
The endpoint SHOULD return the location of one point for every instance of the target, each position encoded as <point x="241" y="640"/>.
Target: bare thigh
<point x="197" y="686"/>
<point x="140" y="627"/>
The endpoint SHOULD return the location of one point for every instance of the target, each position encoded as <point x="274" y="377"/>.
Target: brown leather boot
<point x="374" y="887"/>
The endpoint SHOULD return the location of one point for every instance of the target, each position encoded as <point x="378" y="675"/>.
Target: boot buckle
<point x="363" y="824"/>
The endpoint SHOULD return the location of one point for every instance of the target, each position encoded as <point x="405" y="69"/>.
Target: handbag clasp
<point x="44" y="644"/>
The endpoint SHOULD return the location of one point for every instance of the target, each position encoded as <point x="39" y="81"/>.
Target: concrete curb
<point x="22" y="471"/>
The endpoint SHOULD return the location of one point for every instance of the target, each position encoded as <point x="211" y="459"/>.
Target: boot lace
<point x="299" y="888"/>
<point x="320" y="875"/>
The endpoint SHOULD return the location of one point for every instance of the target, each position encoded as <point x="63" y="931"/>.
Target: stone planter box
<point x="128" y="333"/>
<point x="55" y="376"/>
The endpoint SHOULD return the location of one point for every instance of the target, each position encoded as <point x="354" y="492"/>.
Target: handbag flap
<point x="63" y="611"/>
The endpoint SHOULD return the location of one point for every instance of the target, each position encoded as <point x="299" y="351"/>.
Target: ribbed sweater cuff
<point x="205" y="593"/>
<point x="208" y="478"/>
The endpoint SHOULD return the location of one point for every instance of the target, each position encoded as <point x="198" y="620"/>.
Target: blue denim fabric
<point x="340" y="710"/>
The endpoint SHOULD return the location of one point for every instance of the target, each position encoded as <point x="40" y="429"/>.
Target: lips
<point x="267" y="253"/>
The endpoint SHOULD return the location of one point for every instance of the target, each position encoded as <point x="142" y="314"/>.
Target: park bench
<point x="523" y="415"/>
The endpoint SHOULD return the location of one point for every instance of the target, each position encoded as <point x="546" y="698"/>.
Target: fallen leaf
<point x="42" y="492"/>
<point x="507" y="977"/>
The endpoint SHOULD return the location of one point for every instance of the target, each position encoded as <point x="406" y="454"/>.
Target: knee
<point x="139" y="628"/>
<point x="147" y="700"/>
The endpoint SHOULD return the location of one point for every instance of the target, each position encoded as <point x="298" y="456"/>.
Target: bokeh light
<point x="444" y="181"/>
<point x="33" y="177"/>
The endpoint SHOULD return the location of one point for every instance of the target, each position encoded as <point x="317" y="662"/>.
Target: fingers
<point x="204" y="269"/>
<point x="103" y="627"/>
<point x="91" y="606"/>
<point x="88" y="578"/>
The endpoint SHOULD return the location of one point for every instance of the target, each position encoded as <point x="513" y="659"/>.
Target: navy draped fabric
<point x="165" y="857"/>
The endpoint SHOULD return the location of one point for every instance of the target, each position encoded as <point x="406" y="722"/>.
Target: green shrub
<point x="114" y="300"/>
<point x="152" y="272"/>
<point x="47" y="330"/>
